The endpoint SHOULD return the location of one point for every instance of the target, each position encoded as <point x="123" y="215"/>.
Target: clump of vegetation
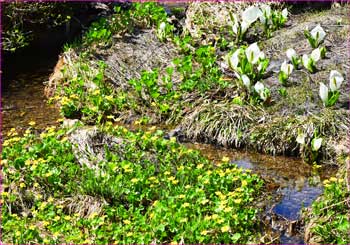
<point x="146" y="189"/>
<point x="327" y="220"/>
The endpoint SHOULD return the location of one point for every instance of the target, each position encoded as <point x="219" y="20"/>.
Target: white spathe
<point x="234" y="59"/>
<point x="251" y="14"/>
<point x="335" y="80"/>
<point x="291" y="54"/>
<point x="305" y="59"/>
<point x="244" y="26"/>
<point x="259" y="87"/>
<point x="246" y="80"/>
<point x="253" y="53"/>
<point x="316" y="55"/>
<point x="285" y="13"/>
<point x="286" y="68"/>
<point x="301" y="139"/>
<point x="318" y="33"/>
<point x="316" y="144"/>
<point x="266" y="10"/>
<point x="162" y="26"/>
<point x="323" y="93"/>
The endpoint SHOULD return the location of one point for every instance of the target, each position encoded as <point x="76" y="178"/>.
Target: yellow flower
<point x="203" y="202"/>
<point x="325" y="182"/>
<point x="4" y="193"/>
<point x="220" y="221"/>
<point x="204" y="232"/>
<point x="228" y="209"/>
<point x="134" y="180"/>
<point x="50" y="199"/>
<point x="185" y="205"/>
<point x="214" y="216"/>
<point x="238" y="201"/>
<point x="180" y="168"/>
<point x="129" y="234"/>
<point x="32" y="227"/>
<point x="206" y="181"/>
<point x="166" y="173"/>
<point x="200" y="166"/>
<point x="57" y="218"/>
<point x="187" y="187"/>
<point x="181" y="196"/>
<point x="225" y="159"/>
<point x="207" y="217"/>
<point x="333" y="179"/>
<point x="48" y="174"/>
<point x="67" y="218"/>
<point x="32" y="123"/>
<point x="22" y="185"/>
<point x="171" y="178"/>
<point x="225" y="228"/>
<point x="45" y="223"/>
<point x="175" y="182"/>
<point x="18" y="233"/>
<point x="127" y="222"/>
<point x="183" y="220"/>
<point x="46" y="241"/>
<point x="244" y="183"/>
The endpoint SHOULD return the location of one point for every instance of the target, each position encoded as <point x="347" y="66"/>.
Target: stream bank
<point x="289" y="188"/>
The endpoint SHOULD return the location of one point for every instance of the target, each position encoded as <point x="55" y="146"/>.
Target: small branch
<point x="335" y="204"/>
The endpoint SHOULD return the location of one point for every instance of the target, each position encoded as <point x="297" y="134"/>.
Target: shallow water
<point x="292" y="183"/>
<point x="23" y="101"/>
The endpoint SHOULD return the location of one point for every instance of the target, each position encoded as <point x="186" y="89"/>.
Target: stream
<point x="291" y="183"/>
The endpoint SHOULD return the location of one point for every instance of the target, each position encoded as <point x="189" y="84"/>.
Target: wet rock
<point x="90" y="145"/>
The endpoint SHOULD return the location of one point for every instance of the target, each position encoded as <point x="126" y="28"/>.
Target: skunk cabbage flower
<point x="266" y="10"/>
<point x="324" y="93"/>
<point x="251" y="14"/>
<point x="291" y="54"/>
<point x="301" y="138"/>
<point x="318" y="34"/>
<point x="316" y="55"/>
<point x="234" y="59"/>
<point x="305" y="59"/>
<point x="246" y="80"/>
<point x="286" y="68"/>
<point x="162" y="26"/>
<point x="316" y="144"/>
<point x="244" y="26"/>
<point x="259" y="87"/>
<point x="285" y="13"/>
<point x="335" y="80"/>
<point x="253" y="53"/>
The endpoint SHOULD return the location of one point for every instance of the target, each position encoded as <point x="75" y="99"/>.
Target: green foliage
<point x="330" y="214"/>
<point x="146" y="189"/>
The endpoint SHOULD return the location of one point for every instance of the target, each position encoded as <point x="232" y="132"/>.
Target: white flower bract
<point x="335" y="80"/>
<point x="253" y="53"/>
<point x="251" y="14"/>
<point x="291" y="54"/>
<point x="286" y="68"/>
<point x="246" y="80"/>
<point x="324" y="93"/>
<point x="316" y="55"/>
<point x="318" y="33"/>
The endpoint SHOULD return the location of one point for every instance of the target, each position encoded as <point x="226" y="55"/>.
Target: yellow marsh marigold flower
<point x="127" y="222"/>
<point x="200" y="166"/>
<point x="204" y="232"/>
<point x="185" y="205"/>
<point x="225" y="159"/>
<point x="181" y="196"/>
<point x="134" y="180"/>
<point x="333" y="179"/>
<point x="225" y="228"/>
<point x="238" y="201"/>
<point x="32" y="123"/>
